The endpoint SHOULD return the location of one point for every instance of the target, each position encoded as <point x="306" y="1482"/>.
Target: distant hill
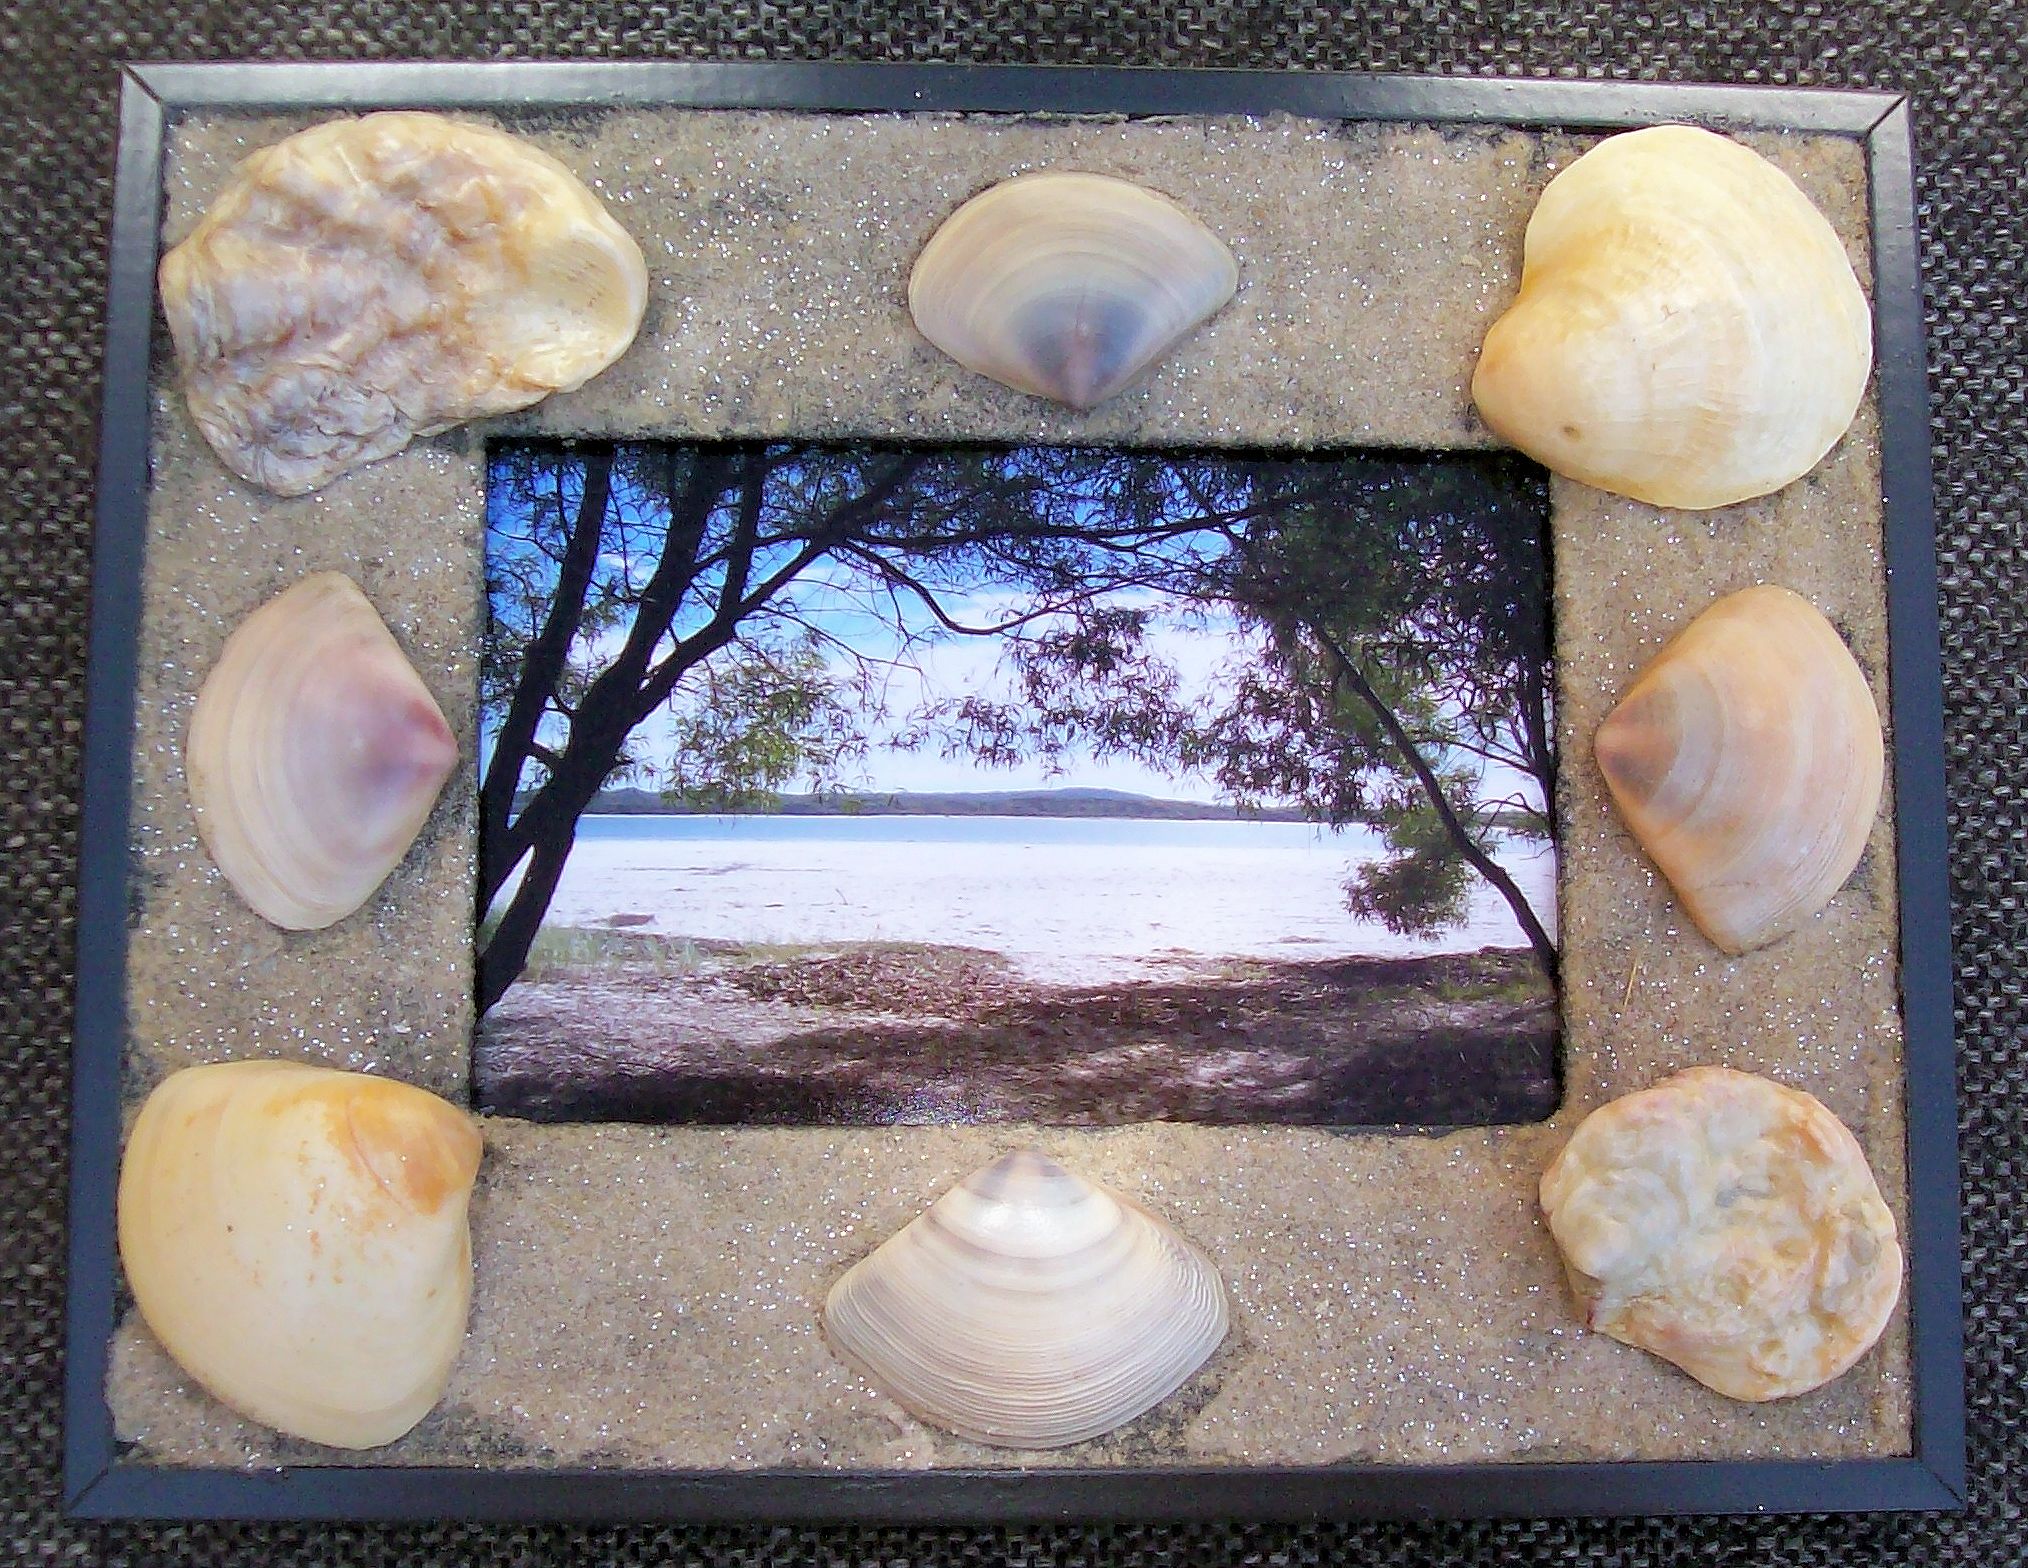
<point x="960" y="803"/>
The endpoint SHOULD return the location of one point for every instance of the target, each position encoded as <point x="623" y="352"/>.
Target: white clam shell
<point x="315" y="754"/>
<point x="1029" y="1308"/>
<point x="1689" y="330"/>
<point x="296" y="1239"/>
<point x="1068" y="286"/>
<point x="1747" y="759"/>
<point x="374" y="279"/>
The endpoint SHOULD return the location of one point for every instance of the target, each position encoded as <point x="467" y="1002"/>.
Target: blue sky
<point x="1201" y="648"/>
<point x="947" y="666"/>
<point x="917" y="663"/>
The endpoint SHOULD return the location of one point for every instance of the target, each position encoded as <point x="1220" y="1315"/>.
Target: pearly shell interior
<point x="1068" y="286"/>
<point x="296" y="1239"/>
<point x="1747" y="759"/>
<point x="1689" y="330"/>
<point x="1029" y="1308"/>
<point x="374" y="279"/>
<point x="315" y="754"/>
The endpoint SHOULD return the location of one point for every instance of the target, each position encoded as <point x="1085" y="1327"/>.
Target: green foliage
<point x="1400" y="631"/>
<point x="755" y="719"/>
<point x="1394" y="634"/>
<point x="1422" y="887"/>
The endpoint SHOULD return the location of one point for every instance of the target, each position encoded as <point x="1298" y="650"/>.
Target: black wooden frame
<point x="100" y="1482"/>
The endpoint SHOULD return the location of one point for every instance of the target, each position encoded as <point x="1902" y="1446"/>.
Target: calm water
<point x="1066" y="897"/>
<point x="1139" y="832"/>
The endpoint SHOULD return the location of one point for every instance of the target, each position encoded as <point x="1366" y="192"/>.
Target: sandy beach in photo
<point x="1090" y="971"/>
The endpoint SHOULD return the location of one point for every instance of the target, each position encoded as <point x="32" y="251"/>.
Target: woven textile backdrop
<point x="1963" y="62"/>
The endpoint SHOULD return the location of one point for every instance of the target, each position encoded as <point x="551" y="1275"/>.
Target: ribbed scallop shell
<point x="1029" y="1308"/>
<point x="1068" y="286"/>
<point x="296" y="1239"/>
<point x="1689" y="330"/>
<point x="1747" y="760"/>
<point x="374" y="279"/>
<point x="315" y="754"/>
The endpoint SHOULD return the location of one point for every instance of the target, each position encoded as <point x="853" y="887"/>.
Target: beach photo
<point x="863" y="785"/>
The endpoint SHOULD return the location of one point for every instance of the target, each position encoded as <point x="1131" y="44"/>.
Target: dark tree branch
<point x="609" y="700"/>
<point x="894" y="577"/>
<point x="1541" y="747"/>
<point x="1483" y="863"/>
<point x="606" y="713"/>
<point x="627" y="690"/>
<point x="541" y="667"/>
<point x="505" y="953"/>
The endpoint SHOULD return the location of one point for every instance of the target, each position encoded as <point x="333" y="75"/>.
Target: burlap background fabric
<point x="1964" y="64"/>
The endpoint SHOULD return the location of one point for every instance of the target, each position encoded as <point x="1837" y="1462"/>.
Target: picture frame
<point x="102" y="1482"/>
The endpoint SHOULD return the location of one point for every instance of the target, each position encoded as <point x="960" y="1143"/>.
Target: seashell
<point x="1068" y="286"/>
<point x="1728" y="1224"/>
<point x="1030" y="1308"/>
<point x="1688" y="331"/>
<point x="314" y="756"/>
<point x="374" y="279"/>
<point x="1747" y="759"/>
<point x="296" y="1239"/>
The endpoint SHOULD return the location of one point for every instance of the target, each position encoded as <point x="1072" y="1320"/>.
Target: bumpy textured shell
<point x="1029" y="1308"/>
<point x="1747" y="759"/>
<point x="1731" y="1226"/>
<point x="1689" y="330"/>
<point x="1068" y="286"/>
<point x="315" y="753"/>
<point x="371" y="280"/>
<point x="296" y="1239"/>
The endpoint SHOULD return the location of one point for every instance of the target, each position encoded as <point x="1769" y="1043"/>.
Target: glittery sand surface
<point x="648" y="1296"/>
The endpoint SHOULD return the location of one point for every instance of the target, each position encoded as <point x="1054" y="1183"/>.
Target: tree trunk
<point x="577" y="777"/>
<point x="505" y="954"/>
<point x="632" y="686"/>
<point x="541" y="667"/>
<point x="1483" y="863"/>
<point x="1540" y="748"/>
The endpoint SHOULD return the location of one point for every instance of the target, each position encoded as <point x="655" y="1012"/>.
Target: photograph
<point x="835" y="785"/>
